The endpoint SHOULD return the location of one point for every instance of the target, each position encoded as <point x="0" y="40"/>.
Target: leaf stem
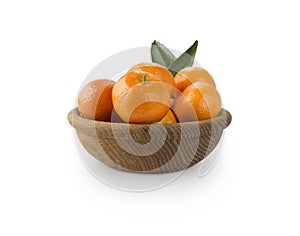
<point x="144" y="80"/>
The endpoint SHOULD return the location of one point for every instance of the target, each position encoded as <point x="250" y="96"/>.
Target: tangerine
<point x="169" y="118"/>
<point x="199" y="101"/>
<point x="190" y="75"/>
<point x="94" y="100"/>
<point x="140" y="97"/>
<point x="160" y="71"/>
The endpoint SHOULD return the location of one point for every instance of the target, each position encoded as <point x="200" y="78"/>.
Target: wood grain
<point x="173" y="147"/>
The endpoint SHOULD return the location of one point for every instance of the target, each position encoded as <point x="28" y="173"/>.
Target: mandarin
<point x="199" y="101"/>
<point x="190" y="75"/>
<point x="160" y="71"/>
<point x="169" y="118"/>
<point x="140" y="97"/>
<point x="94" y="100"/>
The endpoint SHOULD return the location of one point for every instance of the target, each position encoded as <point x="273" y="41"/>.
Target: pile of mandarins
<point x="149" y="93"/>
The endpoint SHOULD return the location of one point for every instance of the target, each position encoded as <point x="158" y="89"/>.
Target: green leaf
<point x="161" y="54"/>
<point x="184" y="60"/>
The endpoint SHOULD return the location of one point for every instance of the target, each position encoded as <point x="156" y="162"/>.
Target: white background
<point x="250" y="47"/>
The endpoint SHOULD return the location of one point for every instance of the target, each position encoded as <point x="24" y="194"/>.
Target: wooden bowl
<point x="146" y="148"/>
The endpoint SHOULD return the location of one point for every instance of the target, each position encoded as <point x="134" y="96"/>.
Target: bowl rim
<point x="78" y="121"/>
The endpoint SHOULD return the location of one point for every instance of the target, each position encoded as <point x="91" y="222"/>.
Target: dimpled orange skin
<point x="94" y="100"/>
<point x="139" y="102"/>
<point x="199" y="101"/>
<point x="189" y="75"/>
<point x="169" y="118"/>
<point x="160" y="71"/>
